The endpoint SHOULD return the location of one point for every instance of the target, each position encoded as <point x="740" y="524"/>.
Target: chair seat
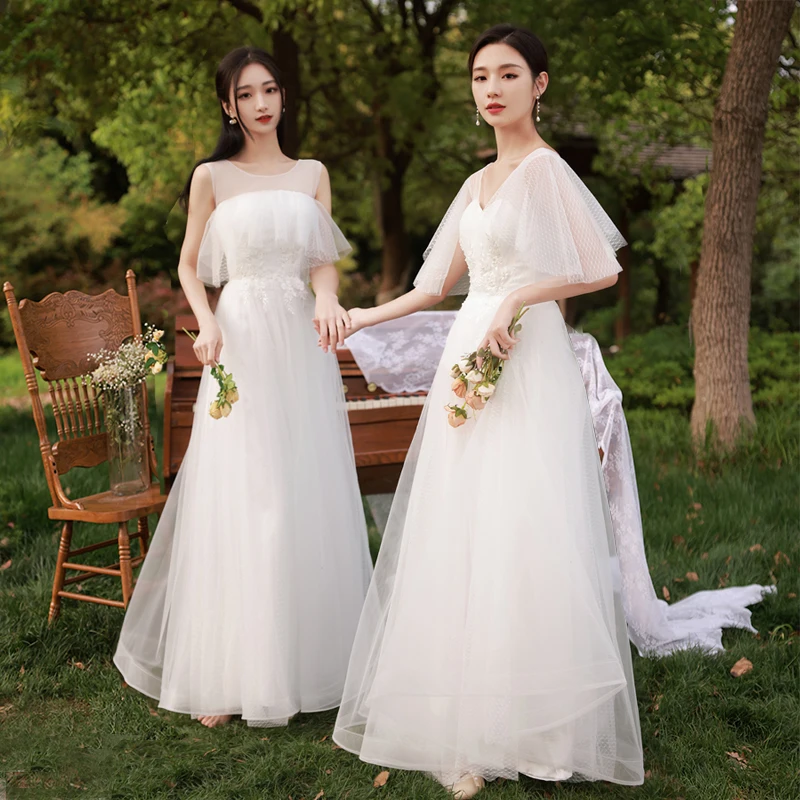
<point x="108" y="507"/>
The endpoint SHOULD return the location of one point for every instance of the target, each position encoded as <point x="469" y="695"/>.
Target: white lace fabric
<point x="546" y="227"/>
<point x="268" y="215"/>
<point x="401" y="356"/>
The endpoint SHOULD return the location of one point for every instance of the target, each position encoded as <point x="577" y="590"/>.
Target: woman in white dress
<point x="249" y="598"/>
<point x="493" y="640"/>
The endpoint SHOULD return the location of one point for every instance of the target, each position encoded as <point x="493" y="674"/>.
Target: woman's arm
<point x="410" y="302"/>
<point x="330" y="319"/>
<point x="500" y="341"/>
<point x="208" y="344"/>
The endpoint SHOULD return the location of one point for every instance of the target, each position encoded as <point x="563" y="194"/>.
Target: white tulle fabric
<point x="493" y="638"/>
<point x="401" y="356"/>
<point x="547" y="227"/>
<point x="248" y="600"/>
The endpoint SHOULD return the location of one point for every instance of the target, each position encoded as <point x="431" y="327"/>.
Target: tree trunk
<point x="287" y="56"/>
<point x="721" y="311"/>
<point x="395" y="255"/>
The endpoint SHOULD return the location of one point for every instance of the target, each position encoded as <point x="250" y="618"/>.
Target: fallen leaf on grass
<point x="324" y="737"/>
<point x="723" y="581"/>
<point x="153" y="712"/>
<point x="741" y="667"/>
<point x="335" y="747"/>
<point x="692" y="576"/>
<point x="381" y="779"/>
<point x="697" y="506"/>
<point x="6" y="565"/>
<point x="665" y="593"/>
<point x="648" y="774"/>
<point x="704" y="556"/>
<point x="781" y="557"/>
<point x="738" y="758"/>
<point x="11" y="525"/>
<point x="212" y="750"/>
<point x="791" y="595"/>
<point x="5" y="709"/>
<point x="756" y="548"/>
<point x="79" y="665"/>
<point x="5" y="541"/>
<point x="321" y="793"/>
<point x="22" y="670"/>
<point x="678" y="541"/>
<point x="265" y="738"/>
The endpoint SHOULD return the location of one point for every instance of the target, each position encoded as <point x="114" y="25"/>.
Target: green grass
<point x="70" y="729"/>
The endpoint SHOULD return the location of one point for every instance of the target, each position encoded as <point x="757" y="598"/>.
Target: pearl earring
<point x="477" y="116"/>
<point x="232" y="120"/>
<point x="537" y="108"/>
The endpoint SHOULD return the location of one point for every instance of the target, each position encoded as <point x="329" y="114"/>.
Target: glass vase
<point x="127" y="445"/>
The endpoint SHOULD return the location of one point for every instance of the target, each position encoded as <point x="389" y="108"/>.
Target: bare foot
<point x="215" y="722"/>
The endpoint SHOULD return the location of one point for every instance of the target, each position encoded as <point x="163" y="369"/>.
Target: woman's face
<point x="503" y="86"/>
<point x="259" y="98"/>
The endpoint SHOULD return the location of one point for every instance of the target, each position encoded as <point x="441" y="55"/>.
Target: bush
<point x="654" y="370"/>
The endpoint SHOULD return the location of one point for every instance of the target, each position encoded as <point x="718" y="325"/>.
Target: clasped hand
<point x="331" y="321"/>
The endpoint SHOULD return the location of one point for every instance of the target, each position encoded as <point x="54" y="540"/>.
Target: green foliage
<point x="654" y="370"/>
<point x="70" y="728"/>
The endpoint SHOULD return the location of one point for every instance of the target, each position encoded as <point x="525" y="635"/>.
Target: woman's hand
<point x="359" y="318"/>
<point x="497" y="338"/>
<point x="208" y="345"/>
<point x="331" y="321"/>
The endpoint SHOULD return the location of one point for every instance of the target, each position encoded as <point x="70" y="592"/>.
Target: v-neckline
<point x="505" y="181"/>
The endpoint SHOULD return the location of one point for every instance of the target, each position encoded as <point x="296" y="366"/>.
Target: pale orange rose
<point x="455" y="420"/>
<point x="459" y="388"/>
<point x="225" y="409"/>
<point x="215" y="410"/>
<point x="475" y="401"/>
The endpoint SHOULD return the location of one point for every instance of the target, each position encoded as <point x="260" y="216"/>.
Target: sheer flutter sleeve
<point x="212" y="264"/>
<point x="561" y="233"/>
<point x="439" y="253"/>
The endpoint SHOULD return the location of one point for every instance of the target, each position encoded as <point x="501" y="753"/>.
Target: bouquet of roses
<point x="474" y="384"/>
<point x="227" y="395"/>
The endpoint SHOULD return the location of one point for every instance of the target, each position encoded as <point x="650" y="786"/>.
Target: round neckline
<point x="257" y="175"/>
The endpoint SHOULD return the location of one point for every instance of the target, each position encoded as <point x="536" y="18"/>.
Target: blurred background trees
<point x="105" y="106"/>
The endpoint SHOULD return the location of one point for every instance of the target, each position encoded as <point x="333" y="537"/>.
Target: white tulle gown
<point x="249" y="597"/>
<point x="493" y="639"/>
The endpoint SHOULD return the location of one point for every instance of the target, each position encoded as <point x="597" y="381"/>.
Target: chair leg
<point x="144" y="539"/>
<point x="58" y="578"/>
<point x="125" y="562"/>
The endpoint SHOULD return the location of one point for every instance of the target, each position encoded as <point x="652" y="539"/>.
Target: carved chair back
<point x="55" y="336"/>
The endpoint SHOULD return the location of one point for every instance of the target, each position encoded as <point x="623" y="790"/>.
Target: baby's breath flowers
<point x="227" y="395"/>
<point x="131" y="362"/>
<point x="475" y="384"/>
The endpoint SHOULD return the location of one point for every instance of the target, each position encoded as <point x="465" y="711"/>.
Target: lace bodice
<point x="542" y="225"/>
<point x="267" y="228"/>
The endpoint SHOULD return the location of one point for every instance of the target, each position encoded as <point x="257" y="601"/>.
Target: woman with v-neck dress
<point x="493" y="641"/>
<point x="248" y="600"/>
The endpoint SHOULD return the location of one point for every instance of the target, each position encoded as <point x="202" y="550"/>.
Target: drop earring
<point x="232" y="120"/>
<point x="477" y="116"/>
<point x="537" y="108"/>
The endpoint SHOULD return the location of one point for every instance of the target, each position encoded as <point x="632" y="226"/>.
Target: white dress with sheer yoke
<point x="493" y="638"/>
<point x="249" y="598"/>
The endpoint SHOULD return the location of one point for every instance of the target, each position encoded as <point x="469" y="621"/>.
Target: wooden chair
<point x="55" y="337"/>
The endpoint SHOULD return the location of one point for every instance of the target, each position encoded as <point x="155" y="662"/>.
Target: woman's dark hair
<point x="231" y="137"/>
<point x="526" y="43"/>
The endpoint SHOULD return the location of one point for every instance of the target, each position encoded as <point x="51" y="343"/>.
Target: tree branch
<point x="248" y="8"/>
